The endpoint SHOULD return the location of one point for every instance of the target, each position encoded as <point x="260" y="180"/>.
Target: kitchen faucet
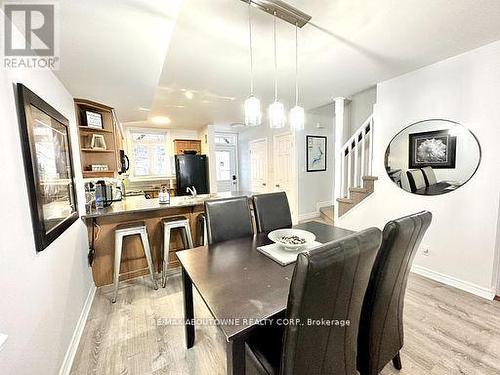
<point x="192" y="190"/>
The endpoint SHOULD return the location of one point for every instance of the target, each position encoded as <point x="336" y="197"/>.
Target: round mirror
<point x="432" y="157"/>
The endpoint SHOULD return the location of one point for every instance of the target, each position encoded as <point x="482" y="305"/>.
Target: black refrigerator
<point x="191" y="170"/>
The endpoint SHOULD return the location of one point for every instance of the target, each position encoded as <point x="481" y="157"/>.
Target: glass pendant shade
<point x="297" y="118"/>
<point x="253" y="114"/>
<point x="277" y="115"/>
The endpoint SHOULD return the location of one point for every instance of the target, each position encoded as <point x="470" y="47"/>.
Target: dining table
<point x="241" y="287"/>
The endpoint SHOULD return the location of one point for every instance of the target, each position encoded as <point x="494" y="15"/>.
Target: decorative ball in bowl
<point x="291" y="239"/>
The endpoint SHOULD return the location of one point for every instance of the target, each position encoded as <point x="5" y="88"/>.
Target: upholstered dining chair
<point x="429" y="176"/>
<point x="416" y="179"/>
<point x="381" y="334"/>
<point x="272" y="211"/>
<point x="327" y="283"/>
<point x="228" y="219"/>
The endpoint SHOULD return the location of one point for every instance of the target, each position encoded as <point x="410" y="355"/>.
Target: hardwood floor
<point x="447" y="332"/>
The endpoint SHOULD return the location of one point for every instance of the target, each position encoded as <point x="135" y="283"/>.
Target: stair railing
<point x="356" y="158"/>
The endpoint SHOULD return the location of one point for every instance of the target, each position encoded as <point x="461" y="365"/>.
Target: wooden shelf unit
<point x="110" y="132"/>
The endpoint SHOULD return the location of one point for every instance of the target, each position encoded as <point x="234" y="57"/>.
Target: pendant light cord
<point x="251" y="49"/>
<point x="296" y="64"/>
<point x="275" y="63"/>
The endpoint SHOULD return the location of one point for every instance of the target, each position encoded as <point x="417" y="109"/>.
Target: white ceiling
<point x="350" y="45"/>
<point x="113" y="51"/>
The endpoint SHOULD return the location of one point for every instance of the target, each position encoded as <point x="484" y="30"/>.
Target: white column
<point x="337" y="152"/>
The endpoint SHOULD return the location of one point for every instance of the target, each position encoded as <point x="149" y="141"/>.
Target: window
<point x="148" y="154"/>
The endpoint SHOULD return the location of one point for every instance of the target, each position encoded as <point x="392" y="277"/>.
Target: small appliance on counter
<point x="191" y="171"/>
<point x="106" y="193"/>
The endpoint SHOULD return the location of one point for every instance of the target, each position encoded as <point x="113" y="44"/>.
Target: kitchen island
<point x="101" y="224"/>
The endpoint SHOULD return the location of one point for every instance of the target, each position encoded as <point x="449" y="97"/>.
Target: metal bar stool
<point x="178" y="222"/>
<point x="131" y="229"/>
<point x="201" y="230"/>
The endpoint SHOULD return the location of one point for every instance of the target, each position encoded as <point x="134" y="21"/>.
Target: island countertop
<point x="136" y="204"/>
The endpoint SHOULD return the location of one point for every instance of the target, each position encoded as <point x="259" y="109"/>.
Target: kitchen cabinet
<point x="182" y="145"/>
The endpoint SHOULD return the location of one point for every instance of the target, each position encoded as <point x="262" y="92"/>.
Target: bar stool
<point x="131" y="229"/>
<point x="201" y="230"/>
<point x="178" y="222"/>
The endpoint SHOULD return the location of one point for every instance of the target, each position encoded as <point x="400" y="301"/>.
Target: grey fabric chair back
<point x="328" y="283"/>
<point x="228" y="219"/>
<point x="272" y="211"/>
<point x="381" y="327"/>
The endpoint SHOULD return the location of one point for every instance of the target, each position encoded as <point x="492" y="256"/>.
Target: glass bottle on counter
<point x="164" y="196"/>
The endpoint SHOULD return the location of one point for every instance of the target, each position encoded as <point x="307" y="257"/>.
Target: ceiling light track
<point x="282" y="10"/>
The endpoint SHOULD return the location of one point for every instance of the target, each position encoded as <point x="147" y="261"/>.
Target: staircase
<point x="354" y="179"/>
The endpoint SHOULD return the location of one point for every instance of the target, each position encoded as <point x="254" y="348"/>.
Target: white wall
<point x="42" y="295"/>
<point x="358" y="109"/>
<point x="464" y="229"/>
<point x="316" y="188"/>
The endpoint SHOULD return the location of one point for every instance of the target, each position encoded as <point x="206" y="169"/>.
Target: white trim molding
<point x="77" y="334"/>
<point x="453" y="281"/>
<point x="308" y="216"/>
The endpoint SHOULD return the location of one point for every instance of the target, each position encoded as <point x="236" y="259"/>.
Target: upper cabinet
<point x="100" y="138"/>
<point x="185" y="145"/>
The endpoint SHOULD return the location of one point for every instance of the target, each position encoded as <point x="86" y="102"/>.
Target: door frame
<point x="250" y="143"/>
<point x="295" y="174"/>
<point x="236" y="150"/>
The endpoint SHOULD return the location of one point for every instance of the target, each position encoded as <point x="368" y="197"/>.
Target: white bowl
<point x="275" y="236"/>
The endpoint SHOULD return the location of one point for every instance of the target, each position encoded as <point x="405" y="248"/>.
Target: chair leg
<point x="396" y="361"/>
<point x="147" y="252"/>
<point x="166" y="251"/>
<point x="116" y="270"/>
<point x="188" y="237"/>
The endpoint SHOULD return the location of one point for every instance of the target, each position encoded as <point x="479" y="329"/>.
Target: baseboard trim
<point x="77" y="334"/>
<point x="453" y="281"/>
<point x="309" y="216"/>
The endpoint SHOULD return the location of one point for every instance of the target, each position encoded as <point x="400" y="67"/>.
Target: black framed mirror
<point x="432" y="157"/>
<point x="46" y="147"/>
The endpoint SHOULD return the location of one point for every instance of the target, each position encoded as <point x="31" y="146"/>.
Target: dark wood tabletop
<point x="435" y="189"/>
<point x="236" y="281"/>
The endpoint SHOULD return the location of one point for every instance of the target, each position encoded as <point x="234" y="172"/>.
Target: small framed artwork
<point x="436" y="149"/>
<point x="316" y="153"/>
<point x="98" y="142"/>
<point x="93" y="119"/>
<point x="48" y="167"/>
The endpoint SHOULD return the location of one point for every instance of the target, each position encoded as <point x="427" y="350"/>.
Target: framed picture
<point x="98" y="142"/>
<point x="436" y="149"/>
<point x="48" y="166"/>
<point x="316" y="153"/>
<point x="93" y="119"/>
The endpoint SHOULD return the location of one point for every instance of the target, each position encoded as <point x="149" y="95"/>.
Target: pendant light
<point x="276" y="110"/>
<point x="253" y="114"/>
<point x="297" y="114"/>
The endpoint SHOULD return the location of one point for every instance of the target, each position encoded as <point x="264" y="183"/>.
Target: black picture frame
<point x="27" y="100"/>
<point x="444" y="137"/>
<point x="323" y="139"/>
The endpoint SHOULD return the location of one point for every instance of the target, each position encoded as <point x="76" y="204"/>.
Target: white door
<point x="225" y="164"/>
<point x="285" y="175"/>
<point x="258" y="166"/>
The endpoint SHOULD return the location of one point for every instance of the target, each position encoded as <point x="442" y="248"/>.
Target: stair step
<point x="327" y="213"/>
<point x="346" y="200"/>
<point x="359" y="190"/>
